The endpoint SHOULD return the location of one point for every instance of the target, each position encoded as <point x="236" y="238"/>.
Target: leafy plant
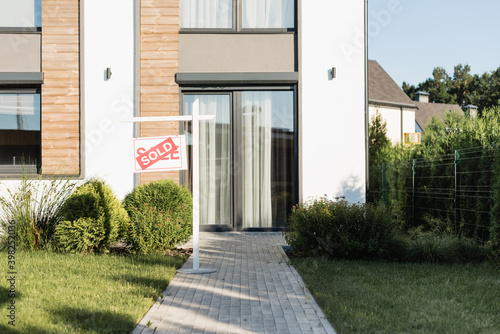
<point x="80" y="236"/>
<point x="339" y="229"/>
<point x="154" y="231"/>
<point x="103" y="214"/>
<point x="162" y="208"/>
<point x="34" y="205"/>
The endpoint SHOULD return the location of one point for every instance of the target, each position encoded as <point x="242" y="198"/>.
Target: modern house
<point x="285" y="79"/>
<point x="401" y="114"/>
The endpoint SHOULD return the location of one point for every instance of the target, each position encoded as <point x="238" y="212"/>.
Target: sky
<point x="409" y="38"/>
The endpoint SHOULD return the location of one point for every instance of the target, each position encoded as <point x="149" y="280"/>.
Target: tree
<point x="378" y="141"/>
<point x="462" y="88"/>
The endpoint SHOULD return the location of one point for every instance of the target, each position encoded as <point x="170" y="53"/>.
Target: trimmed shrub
<point x="81" y="236"/>
<point x="161" y="216"/>
<point x="95" y="201"/>
<point x="340" y="230"/>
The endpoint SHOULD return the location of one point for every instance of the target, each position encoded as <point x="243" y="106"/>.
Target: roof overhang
<point x="392" y="104"/>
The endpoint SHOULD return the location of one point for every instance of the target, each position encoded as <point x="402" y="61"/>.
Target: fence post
<point x="457" y="185"/>
<point x="414" y="169"/>
<point x="384" y="196"/>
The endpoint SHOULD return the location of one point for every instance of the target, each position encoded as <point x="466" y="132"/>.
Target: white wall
<point x="332" y="128"/>
<point x="109" y="42"/>
<point x="392" y="116"/>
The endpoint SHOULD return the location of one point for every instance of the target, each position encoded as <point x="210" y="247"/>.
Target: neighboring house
<point x="428" y="110"/>
<point x="285" y="130"/>
<point x="391" y="102"/>
<point x="401" y="113"/>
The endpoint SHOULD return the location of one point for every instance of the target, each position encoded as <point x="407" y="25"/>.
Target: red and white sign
<point x="155" y="154"/>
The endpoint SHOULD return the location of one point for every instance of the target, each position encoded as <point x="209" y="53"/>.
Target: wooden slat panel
<point x="160" y="4"/>
<point x="61" y="88"/>
<point x="159" y="38"/>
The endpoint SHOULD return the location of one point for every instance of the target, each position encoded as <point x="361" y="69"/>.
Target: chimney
<point x="470" y="110"/>
<point x="422" y="97"/>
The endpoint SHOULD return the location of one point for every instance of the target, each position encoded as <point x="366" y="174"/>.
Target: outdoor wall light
<point x="108" y="73"/>
<point x="334" y="72"/>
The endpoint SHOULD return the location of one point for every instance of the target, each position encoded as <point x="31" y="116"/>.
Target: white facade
<point x="398" y="120"/>
<point x="332" y="132"/>
<point x="109" y="43"/>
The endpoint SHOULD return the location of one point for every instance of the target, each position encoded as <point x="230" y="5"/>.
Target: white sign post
<point x="195" y="119"/>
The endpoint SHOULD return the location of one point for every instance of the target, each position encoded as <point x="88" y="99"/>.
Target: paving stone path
<point x="254" y="290"/>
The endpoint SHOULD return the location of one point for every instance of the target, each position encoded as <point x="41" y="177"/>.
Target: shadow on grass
<point x="5" y="298"/>
<point x="79" y="320"/>
<point x="158" y="259"/>
<point x="9" y="329"/>
<point x="143" y="282"/>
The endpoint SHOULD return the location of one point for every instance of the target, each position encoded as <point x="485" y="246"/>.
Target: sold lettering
<point x="166" y="150"/>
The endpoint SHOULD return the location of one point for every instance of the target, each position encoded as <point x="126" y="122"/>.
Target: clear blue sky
<point x="409" y="38"/>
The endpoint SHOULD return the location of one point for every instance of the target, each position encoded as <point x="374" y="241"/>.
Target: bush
<point x="81" y="235"/>
<point x="340" y="230"/>
<point x="35" y="208"/>
<point x="434" y="248"/>
<point x="161" y="216"/>
<point x="104" y="219"/>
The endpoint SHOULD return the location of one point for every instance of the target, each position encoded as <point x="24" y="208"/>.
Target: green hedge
<point x="340" y="230"/>
<point x="93" y="219"/>
<point x="161" y="215"/>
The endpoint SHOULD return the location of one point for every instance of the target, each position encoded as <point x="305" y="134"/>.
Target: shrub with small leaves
<point x="153" y="230"/>
<point x="95" y="201"/>
<point x="339" y="229"/>
<point x="81" y="236"/>
<point x="163" y="208"/>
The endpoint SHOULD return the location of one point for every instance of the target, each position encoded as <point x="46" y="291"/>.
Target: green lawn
<point x="68" y="293"/>
<point x="374" y="297"/>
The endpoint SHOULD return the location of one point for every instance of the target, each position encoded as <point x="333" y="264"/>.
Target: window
<point x="20" y="13"/>
<point x="238" y="15"/>
<point x="20" y="137"/>
<point x="207" y="14"/>
<point x="248" y="161"/>
<point x="267" y="14"/>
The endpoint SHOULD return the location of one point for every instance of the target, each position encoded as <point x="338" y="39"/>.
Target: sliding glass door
<point x="247" y="157"/>
<point x="215" y="157"/>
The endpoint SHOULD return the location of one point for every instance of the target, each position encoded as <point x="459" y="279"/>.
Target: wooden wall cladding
<point x="159" y="45"/>
<point x="61" y="88"/>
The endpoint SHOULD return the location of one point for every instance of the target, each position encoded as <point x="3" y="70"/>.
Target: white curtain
<point x="206" y="14"/>
<point x="263" y="14"/>
<point x="256" y="164"/>
<point x="215" y="158"/>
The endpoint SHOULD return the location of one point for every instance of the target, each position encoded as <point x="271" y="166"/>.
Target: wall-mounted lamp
<point x="334" y="72"/>
<point x="108" y="73"/>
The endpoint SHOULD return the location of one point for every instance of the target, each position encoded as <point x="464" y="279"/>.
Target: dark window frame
<point x="15" y="170"/>
<point x="234" y="92"/>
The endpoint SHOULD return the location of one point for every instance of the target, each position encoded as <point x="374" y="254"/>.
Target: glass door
<point x="248" y="157"/>
<point x="267" y="158"/>
<point x="215" y="157"/>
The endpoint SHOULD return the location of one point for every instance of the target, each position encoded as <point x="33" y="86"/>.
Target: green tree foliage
<point x="378" y="141"/>
<point x="476" y="139"/>
<point x="461" y="87"/>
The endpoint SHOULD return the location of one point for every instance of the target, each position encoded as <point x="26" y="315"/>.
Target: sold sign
<point x="155" y="154"/>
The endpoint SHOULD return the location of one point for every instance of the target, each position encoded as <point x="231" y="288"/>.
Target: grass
<point x="375" y="297"/>
<point x="70" y="293"/>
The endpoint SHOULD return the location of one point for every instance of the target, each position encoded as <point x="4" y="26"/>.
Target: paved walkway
<point x="254" y="290"/>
